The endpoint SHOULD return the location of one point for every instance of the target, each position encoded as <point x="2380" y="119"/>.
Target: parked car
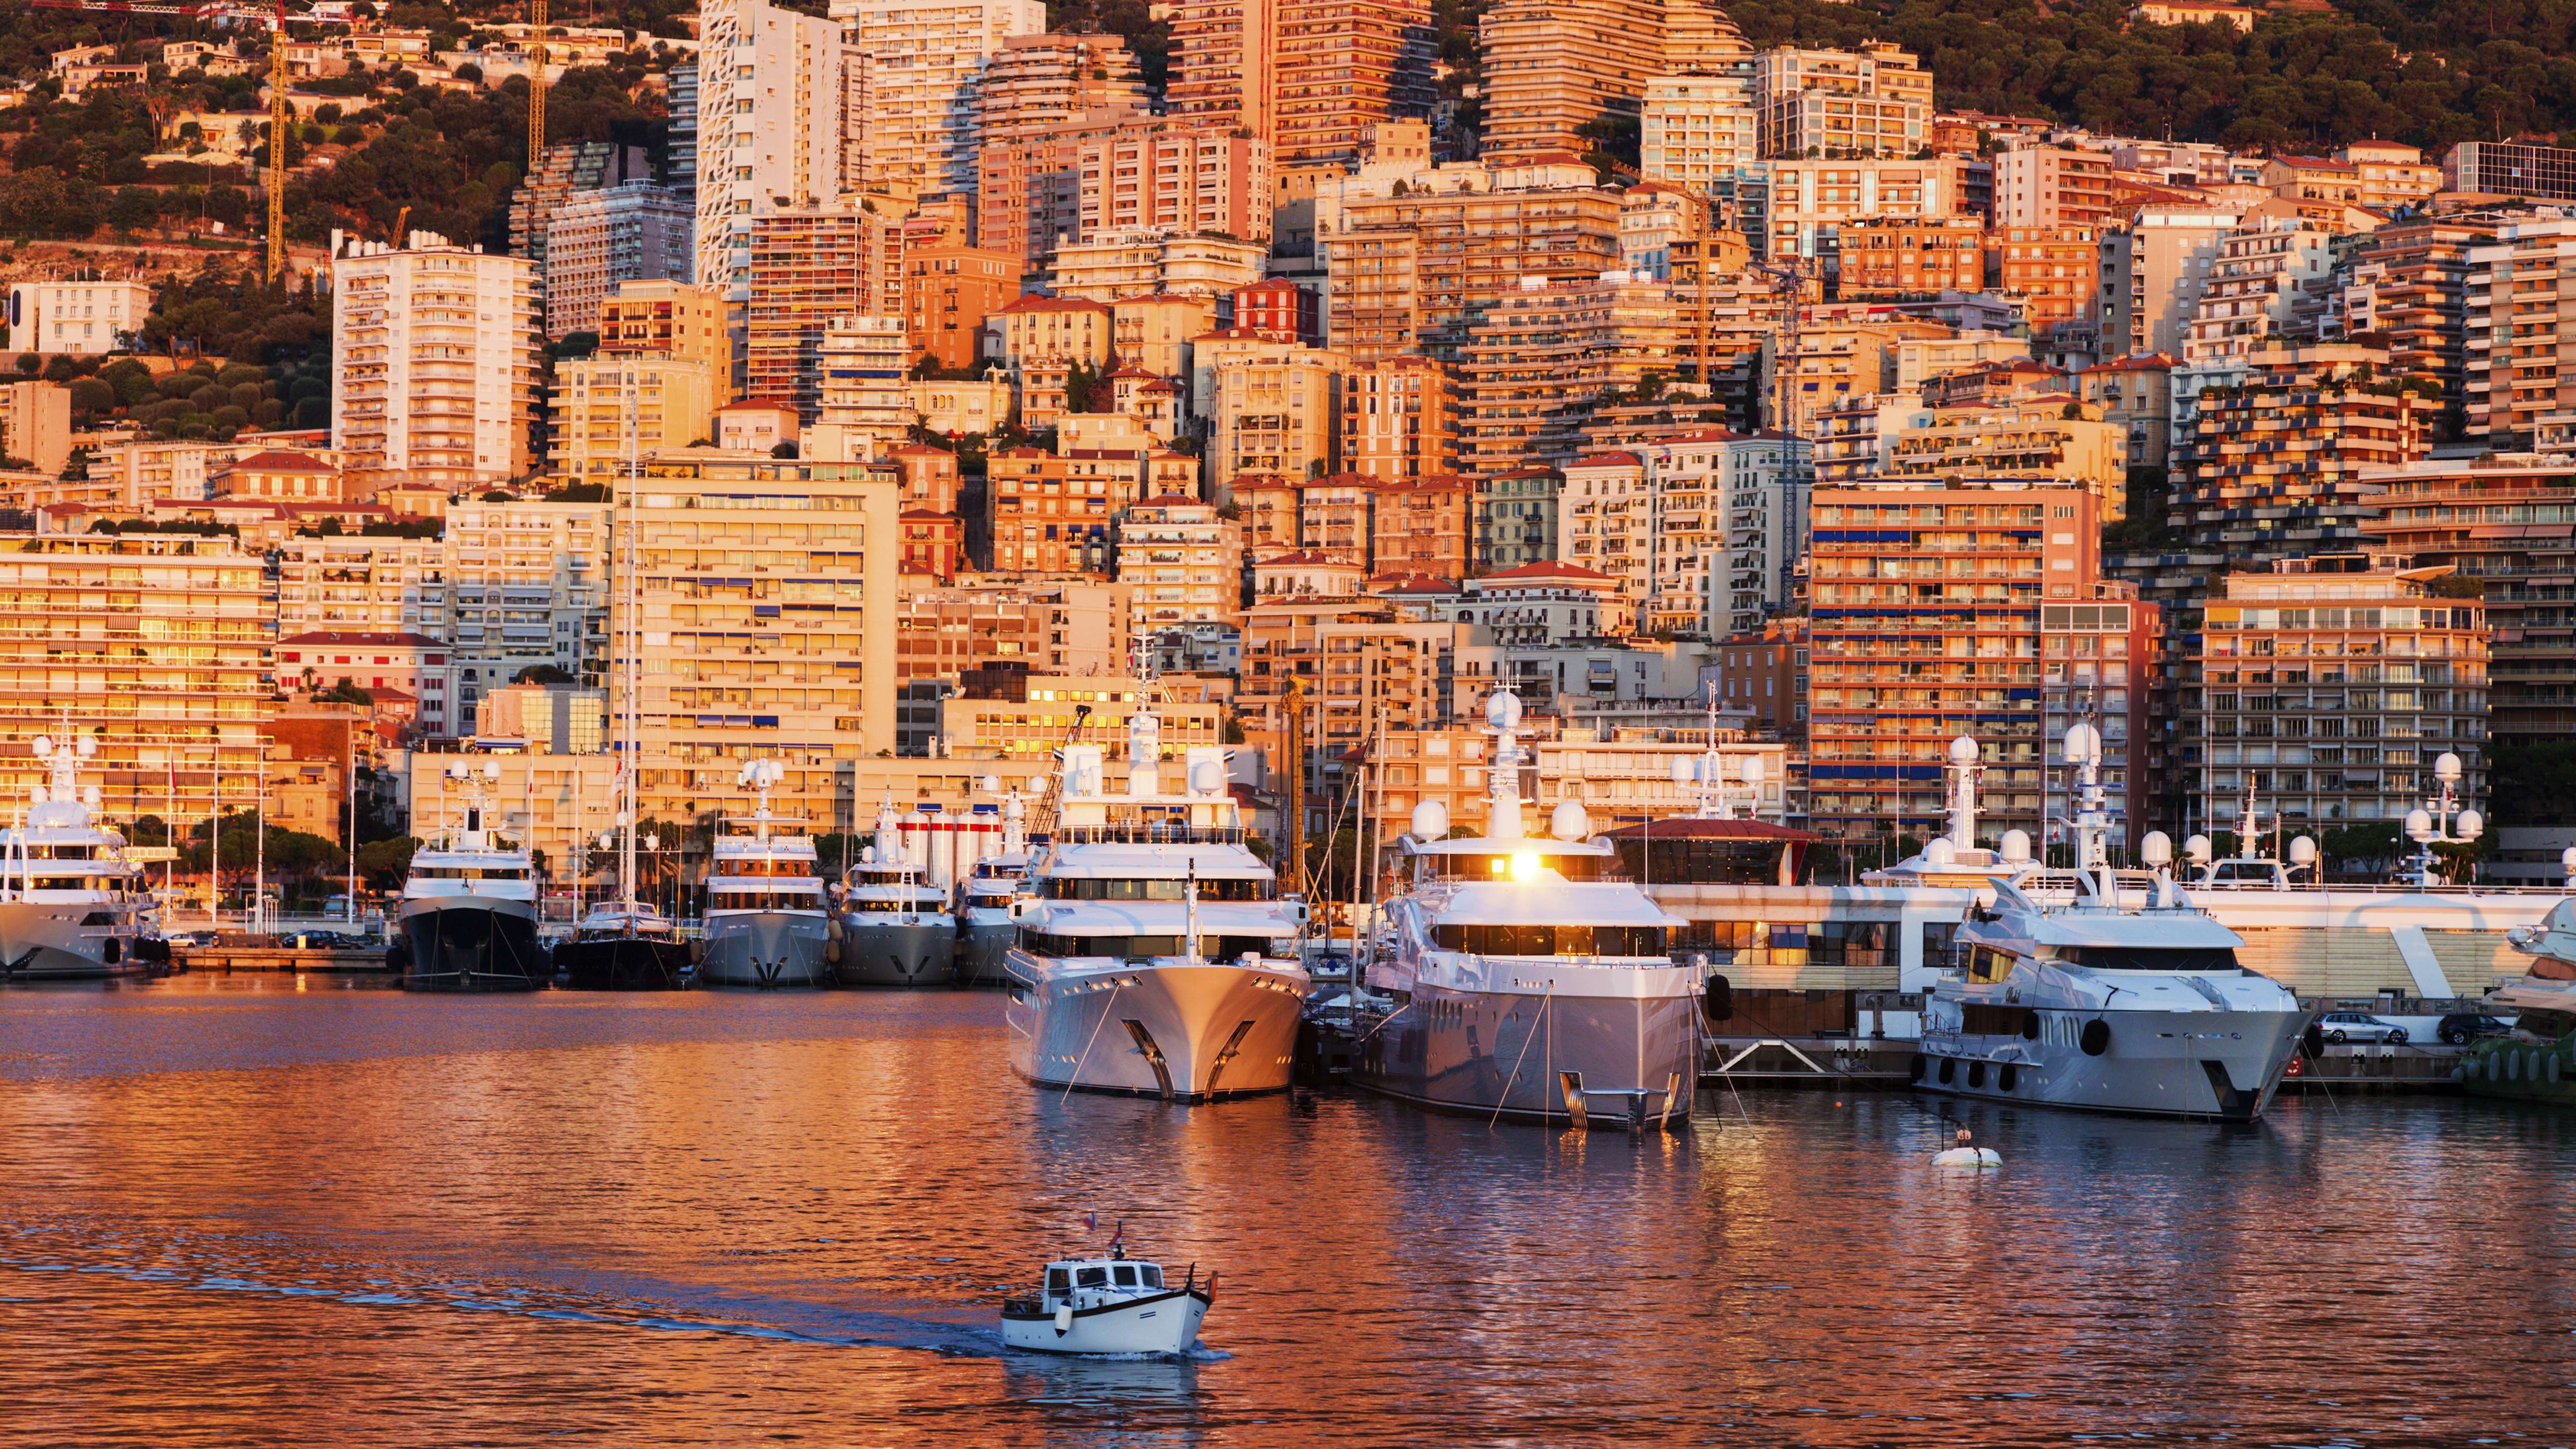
<point x="2463" y="1027"/>
<point x="2342" y="1026"/>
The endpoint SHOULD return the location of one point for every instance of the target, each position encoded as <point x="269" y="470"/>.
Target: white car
<point x="2342" y="1026"/>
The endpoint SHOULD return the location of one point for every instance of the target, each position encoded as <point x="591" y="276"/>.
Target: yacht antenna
<point x="1190" y="918"/>
<point x="2084" y="751"/>
<point x="1965" y="771"/>
<point x="1503" y="781"/>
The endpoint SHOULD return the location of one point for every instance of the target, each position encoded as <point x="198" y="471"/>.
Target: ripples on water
<point x="237" y="1211"/>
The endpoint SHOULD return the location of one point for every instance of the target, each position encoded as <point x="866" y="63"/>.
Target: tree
<point x="384" y="863"/>
<point x="345" y="692"/>
<point x="542" y="674"/>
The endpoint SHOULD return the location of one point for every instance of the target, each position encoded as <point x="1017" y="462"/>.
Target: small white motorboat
<point x="1114" y="1305"/>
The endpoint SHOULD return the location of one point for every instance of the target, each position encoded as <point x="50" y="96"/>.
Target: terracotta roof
<point x="1034" y="302"/>
<point x="1165" y="500"/>
<point x="1604" y="460"/>
<point x="273" y="460"/>
<point x="922" y="450"/>
<point x="758" y="405"/>
<point x="1306" y="558"/>
<point x="926" y="515"/>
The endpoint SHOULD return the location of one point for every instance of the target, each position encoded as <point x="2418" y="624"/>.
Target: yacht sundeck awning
<point x="1552" y="903"/>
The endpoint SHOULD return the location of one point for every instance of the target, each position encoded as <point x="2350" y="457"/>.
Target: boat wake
<point x="218" y="1263"/>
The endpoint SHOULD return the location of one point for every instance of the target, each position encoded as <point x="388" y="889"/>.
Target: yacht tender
<point x="1112" y="1305"/>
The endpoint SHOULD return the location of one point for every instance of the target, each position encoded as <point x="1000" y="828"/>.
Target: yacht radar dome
<point x="2303" y="851"/>
<point x="1568" y="822"/>
<point x="1964" y="750"/>
<point x="1431" y="821"/>
<point x="2083" y="743"/>
<point x="1751" y="769"/>
<point x="1940" y="851"/>
<point x="2447" y="768"/>
<point x="2470" y="825"/>
<point x="2419" y="825"/>
<point x="1503" y="710"/>
<point x="2016" y="847"/>
<point x="2197" y="849"/>
<point x="2157" y="849"/>
<point x="1684" y="771"/>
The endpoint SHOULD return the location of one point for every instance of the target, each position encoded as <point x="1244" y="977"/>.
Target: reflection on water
<point x="236" y="1211"/>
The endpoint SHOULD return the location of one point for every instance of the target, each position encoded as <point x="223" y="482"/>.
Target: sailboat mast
<point x="628" y="771"/>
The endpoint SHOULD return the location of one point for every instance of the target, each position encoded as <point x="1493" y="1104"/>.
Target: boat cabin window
<point x="1059" y="1280"/>
<point x="1211" y="948"/>
<point x="1551" y="940"/>
<point x="1168" y="825"/>
<point x="1091" y="1277"/>
<point x="2149" y="958"/>
<point x="1704" y="862"/>
<point x="1156" y="890"/>
<point x="895" y="908"/>
<point x="1498" y="866"/>
<point x="1126" y="1275"/>
<point x="2242" y="872"/>
<point x="755" y="866"/>
<point x="1153" y="1275"/>
<point x="761" y="898"/>
<point x="2550" y="968"/>
<point x="1985" y="963"/>
<point x="467" y="872"/>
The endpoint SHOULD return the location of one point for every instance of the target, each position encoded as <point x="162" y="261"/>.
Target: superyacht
<point x="1156" y="956"/>
<point x="895" y="929"/>
<point x="767" y="924"/>
<point x="2536" y="1061"/>
<point x="2101" y="1001"/>
<point x="985" y="933"/>
<point x="467" y="920"/>
<point x="1518" y="977"/>
<point x="72" y="907"/>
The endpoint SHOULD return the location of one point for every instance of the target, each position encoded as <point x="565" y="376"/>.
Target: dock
<point x="226" y="960"/>
<point x="1867" y="1064"/>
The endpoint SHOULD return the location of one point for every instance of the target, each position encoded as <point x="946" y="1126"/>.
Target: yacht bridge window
<point x="1075" y="889"/>
<point x="2150" y="958"/>
<point x="1211" y="948"/>
<point x="739" y="898"/>
<point x="1551" y="940"/>
<point x="467" y="872"/>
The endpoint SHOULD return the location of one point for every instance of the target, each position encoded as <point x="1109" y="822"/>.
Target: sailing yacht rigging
<point x="625" y="944"/>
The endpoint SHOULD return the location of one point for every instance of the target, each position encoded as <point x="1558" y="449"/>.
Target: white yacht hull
<point x="1158" y="1324"/>
<point x="765" y="950"/>
<point x="48" y="941"/>
<point x="1185" y="1031"/>
<point x="878" y="951"/>
<point x="1614" y="1061"/>
<point x="2223" y="1064"/>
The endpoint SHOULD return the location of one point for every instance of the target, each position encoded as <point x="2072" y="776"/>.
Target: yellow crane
<point x="536" y="86"/>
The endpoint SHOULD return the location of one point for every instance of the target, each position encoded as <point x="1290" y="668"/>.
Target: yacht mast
<point x="626" y="642"/>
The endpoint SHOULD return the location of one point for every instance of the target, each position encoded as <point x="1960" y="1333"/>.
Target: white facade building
<point x="920" y="133"/>
<point x="435" y="370"/>
<point x="1698" y="127"/>
<point x="635" y="232"/>
<point x="773" y="91"/>
<point x="75" y="317"/>
<point x="864" y="409"/>
<point x="1702" y="531"/>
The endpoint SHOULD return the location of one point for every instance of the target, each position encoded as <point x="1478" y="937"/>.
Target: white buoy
<point x="1965" y="1156"/>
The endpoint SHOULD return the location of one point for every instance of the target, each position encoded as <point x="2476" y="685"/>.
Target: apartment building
<point x="1920" y="359"/>
<point x="1040" y="96"/>
<point x="1270" y="408"/>
<point x="947" y="294"/>
<point x="434" y="367"/>
<point x="2136" y="393"/>
<point x="770" y="121"/>
<point x="2501" y="522"/>
<point x="1108" y="265"/>
<point x="2330" y="684"/>
<point x="672" y="319"/>
<point x="1340" y="67"/>
<point x="565" y="171"/>
<point x="1414" y="273"/>
<point x="1032" y="630"/>
<point x="1517" y="519"/>
<point x="1696" y="127"/>
<point x="1062" y="331"/>
<point x="2054" y="271"/>
<point x="2054" y="186"/>
<point x="1875" y="101"/>
<point x="808" y="267"/>
<point x="1145" y="175"/>
<point x="1837" y="359"/>
<point x="1224" y="64"/>
<point x="2277" y="466"/>
<point x="36" y="424"/>
<point x="1183" y="563"/>
<point x="628" y="233"/>
<point x="1553" y="66"/>
<point x="2270" y="282"/>
<point x="2516" y="392"/>
<point x="2510" y="168"/>
<point x="1398" y="418"/>
<point x="1926" y="609"/>
<point x="1423" y="527"/>
<point x="527" y="585"/>
<point x="350" y="584"/>
<point x="1702" y="530"/>
<point x="2050" y="437"/>
<point x="766" y="597"/>
<point x="1052" y="513"/>
<point x="922" y="61"/>
<point x="157" y="647"/>
<point x="77" y="317"/>
<point x="1541" y="354"/>
<point x="2153" y="270"/>
<point x="1279" y="308"/>
<point x="863" y="408"/>
<point x="2408" y="284"/>
<point x="1810" y="201"/>
<point x="1912" y="257"/>
<point x="612" y="409"/>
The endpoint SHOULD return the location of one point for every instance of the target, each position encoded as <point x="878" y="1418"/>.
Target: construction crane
<point x="536" y="87"/>
<point x="279" y="113"/>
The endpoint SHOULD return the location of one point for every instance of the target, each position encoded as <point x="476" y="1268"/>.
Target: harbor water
<point x="251" y="1210"/>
